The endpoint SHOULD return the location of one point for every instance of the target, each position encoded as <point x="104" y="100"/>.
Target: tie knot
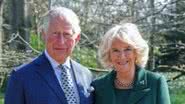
<point x="61" y="66"/>
<point x="63" y="69"/>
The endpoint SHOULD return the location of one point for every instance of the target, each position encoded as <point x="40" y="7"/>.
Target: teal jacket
<point x="149" y="88"/>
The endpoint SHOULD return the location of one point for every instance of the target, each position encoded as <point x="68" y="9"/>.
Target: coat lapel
<point x="139" y="90"/>
<point x="47" y="73"/>
<point x="107" y="89"/>
<point x="140" y="87"/>
<point x="110" y="92"/>
<point x="81" y="83"/>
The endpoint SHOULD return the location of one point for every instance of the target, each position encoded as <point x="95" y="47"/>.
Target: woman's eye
<point x="54" y="32"/>
<point x="128" y="49"/>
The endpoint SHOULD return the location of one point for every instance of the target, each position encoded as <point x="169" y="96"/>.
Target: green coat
<point x="149" y="88"/>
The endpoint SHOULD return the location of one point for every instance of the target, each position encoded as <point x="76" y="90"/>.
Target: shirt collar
<point x="54" y="63"/>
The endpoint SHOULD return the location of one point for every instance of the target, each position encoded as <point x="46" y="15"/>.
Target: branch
<point x="176" y="77"/>
<point x="173" y="68"/>
<point x="14" y="36"/>
<point x="157" y="12"/>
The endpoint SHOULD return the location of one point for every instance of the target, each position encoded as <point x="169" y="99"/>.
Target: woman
<point x="126" y="52"/>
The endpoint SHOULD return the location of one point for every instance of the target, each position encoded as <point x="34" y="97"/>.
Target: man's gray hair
<point x="68" y="15"/>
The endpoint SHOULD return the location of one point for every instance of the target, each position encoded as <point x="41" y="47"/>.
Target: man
<point x="42" y="81"/>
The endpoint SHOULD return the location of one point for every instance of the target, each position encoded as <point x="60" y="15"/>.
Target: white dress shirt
<point x="57" y="70"/>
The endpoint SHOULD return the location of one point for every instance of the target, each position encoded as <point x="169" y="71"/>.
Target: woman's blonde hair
<point x="128" y="33"/>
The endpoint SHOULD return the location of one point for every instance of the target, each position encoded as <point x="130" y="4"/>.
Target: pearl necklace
<point x="121" y="85"/>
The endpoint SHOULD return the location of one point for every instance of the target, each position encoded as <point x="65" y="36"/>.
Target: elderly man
<point x="53" y="77"/>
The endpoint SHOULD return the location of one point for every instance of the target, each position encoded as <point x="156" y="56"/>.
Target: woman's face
<point x="122" y="56"/>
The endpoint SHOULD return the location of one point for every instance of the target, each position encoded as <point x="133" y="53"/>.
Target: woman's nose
<point x="122" y="54"/>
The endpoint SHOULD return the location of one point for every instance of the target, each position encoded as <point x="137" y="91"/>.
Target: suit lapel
<point x="140" y="87"/>
<point x="83" y="81"/>
<point x="47" y="73"/>
<point x="78" y="76"/>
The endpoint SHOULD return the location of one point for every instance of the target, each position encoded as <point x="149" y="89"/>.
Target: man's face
<point x="60" y="39"/>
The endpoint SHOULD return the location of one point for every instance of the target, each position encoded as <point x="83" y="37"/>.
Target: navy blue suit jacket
<point x="36" y="83"/>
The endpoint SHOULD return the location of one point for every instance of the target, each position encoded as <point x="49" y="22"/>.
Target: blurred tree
<point x="156" y="19"/>
<point x="98" y="15"/>
<point x="19" y="23"/>
<point x="172" y="30"/>
<point x="1" y="31"/>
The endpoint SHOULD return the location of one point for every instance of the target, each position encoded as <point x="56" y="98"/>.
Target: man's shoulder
<point x="25" y="66"/>
<point x="29" y="65"/>
<point x="78" y="65"/>
<point x="81" y="69"/>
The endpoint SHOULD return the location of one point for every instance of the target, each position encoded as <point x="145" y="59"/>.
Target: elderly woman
<point x="123" y="50"/>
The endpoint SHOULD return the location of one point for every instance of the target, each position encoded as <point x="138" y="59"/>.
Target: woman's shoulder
<point x="154" y="76"/>
<point x="99" y="81"/>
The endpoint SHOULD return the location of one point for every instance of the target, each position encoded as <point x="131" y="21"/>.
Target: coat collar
<point x="139" y="90"/>
<point x="83" y="85"/>
<point x="47" y="73"/>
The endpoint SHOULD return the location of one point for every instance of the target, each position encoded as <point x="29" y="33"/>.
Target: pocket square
<point x="90" y="89"/>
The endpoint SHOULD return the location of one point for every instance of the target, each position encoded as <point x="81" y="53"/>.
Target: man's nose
<point x="61" y="39"/>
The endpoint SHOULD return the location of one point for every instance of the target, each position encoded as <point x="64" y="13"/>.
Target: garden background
<point x="161" y="23"/>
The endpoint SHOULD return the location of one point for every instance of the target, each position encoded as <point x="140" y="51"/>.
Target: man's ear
<point x="77" y="38"/>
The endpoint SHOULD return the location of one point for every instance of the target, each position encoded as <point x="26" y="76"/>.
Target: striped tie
<point x="67" y="85"/>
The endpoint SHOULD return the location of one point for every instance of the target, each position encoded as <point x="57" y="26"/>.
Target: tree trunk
<point x="1" y="31"/>
<point x="20" y="23"/>
<point x="27" y="23"/>
<point x="152" y="33"/>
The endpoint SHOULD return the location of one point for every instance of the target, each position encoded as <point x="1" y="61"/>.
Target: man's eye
<point x="115" y="50"/>
<point x="54" y="32"/>
<point x="67" y="35"/>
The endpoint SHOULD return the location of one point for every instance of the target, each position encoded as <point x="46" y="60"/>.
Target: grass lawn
<point x="177" y="96"/>
<point x="1" y="101"/>
<point x="1" y="98"/>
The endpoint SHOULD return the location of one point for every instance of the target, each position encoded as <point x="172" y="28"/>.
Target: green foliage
<point x="13" y="58"/>
<point x="177" y="96"/>
<point x="86" y="56"/>
<point x="36" y="42"/>
<point x="1" y="98"/>
<point x="4" y="84"/>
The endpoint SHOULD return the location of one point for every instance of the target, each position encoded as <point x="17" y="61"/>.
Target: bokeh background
<point x="161" y="23"/>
